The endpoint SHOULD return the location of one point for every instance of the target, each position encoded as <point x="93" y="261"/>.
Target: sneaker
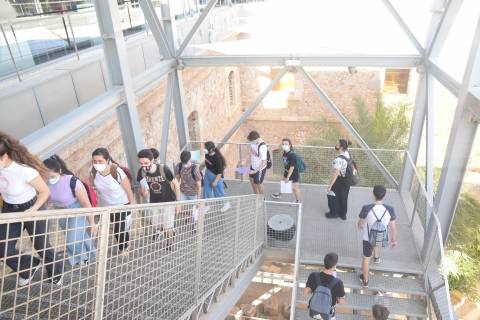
<point x="276" y="195"/>
<point x="377" y="260"/>
<point x="57" y="281"/>
<point x="225" y="207"/>
<point x="343" y="218"/>
<point x="23" y="282"/>
<point x="362" y="281"/>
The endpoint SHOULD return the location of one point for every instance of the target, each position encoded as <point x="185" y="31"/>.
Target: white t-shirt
<point x="110" y="191"/>
<point x="256" y="157"/>
<point x="367" y="213"/>
<point x="14" y="183"/>
<point x="341" y="164"/>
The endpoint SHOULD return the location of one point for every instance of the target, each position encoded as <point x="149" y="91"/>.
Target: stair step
<point x="302" y="314"/>
<point x="385" y="266"/>
<point x="376" y="282"/>
<point x="397" y="306"/>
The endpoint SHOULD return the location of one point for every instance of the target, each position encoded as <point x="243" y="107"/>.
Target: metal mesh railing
<point x="427" y="234"/>
<point x="318" y="161"/>
<point x="152" y="261"/>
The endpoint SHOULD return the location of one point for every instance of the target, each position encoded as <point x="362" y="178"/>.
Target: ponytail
<point x="56" y="164"/>
<point x="20" y="154"/>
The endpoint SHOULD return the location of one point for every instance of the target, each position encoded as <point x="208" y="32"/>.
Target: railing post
<point x="240" y="158"/>
<point x="297" y="262"/>
<point x="102" y="256"/>
<point x="198" y="258"/>
<point x="73" y="37"/>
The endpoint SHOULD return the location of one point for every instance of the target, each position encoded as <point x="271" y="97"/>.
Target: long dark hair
<point x="56" y="164"/>
<point x="20" y="154"/>
<point x="103" y="152"/>
<point x="209" y="145"/>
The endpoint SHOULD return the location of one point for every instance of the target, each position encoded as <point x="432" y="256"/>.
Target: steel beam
<point x="118" y="67"/>
<point x="416" y="129"/>
<point x="440" y="26"/>
<point x="195" y="27"/>
<point x="341" y="60"/>
<point x="156" y="27"/>
<point x="177" y="83"/>
<point x="167" y="107"/>
<point x="430" y="150"/>
<point x="460" y="143"/>
<point x="404" y="27"/>
<point x="344" y="121"/>
<point x="253" y="106"/>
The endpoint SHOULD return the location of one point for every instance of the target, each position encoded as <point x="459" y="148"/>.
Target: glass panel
<point x="416" y="14"/>
<point x="299" y="27"/>
<point x="453" y="57"/>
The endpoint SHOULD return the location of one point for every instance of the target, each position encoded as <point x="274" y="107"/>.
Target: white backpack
<point x="378" y="233"/>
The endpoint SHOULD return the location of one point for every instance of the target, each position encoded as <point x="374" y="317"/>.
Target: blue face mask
<point x="205" y="151"/>
<point x="53" y="181"/>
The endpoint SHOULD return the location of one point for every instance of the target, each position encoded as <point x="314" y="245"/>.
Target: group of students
<point x="27" y="185"/>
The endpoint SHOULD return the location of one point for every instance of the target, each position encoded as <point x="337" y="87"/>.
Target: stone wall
<point x="205" y="91"/>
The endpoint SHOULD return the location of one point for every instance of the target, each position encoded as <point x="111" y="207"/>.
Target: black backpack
<point x="88" y="189"/>
<point x="351" y="175"/>
<point x="193" y="167"/>
<point x="269" y="156"/>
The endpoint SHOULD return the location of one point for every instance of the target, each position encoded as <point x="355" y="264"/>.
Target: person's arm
<point x="393" y="230"/>
<point x="128" y="189"/>
<point x="176" y="187"/>
<point x="82" y="197"/>
<point x="335" y="175"/>
<point x="361" y="223"/>
<point x="289" y="174"/>
<point x="42" y="193"/>
<point x="361" y="217"/>
<point x="144" y="188"/>
<point x="217" y="178"/>
<point x="307" y="291"/>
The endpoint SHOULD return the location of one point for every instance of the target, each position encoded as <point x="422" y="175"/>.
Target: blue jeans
<point x="218" y="191"/>
<point x="80" y="246"/>
<point x="184" y="197"/>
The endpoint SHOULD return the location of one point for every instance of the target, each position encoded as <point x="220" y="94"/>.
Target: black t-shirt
<point x="214" y="163"/>
<point x="317" y="278"/>
<point x="289" y="160"/>
<point x="160" y="187"/>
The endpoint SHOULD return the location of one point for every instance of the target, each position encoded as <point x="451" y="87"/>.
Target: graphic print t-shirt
<point x="159" y="187"/>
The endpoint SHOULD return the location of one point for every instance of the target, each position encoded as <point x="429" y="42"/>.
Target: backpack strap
<point x="73" y="184"/>
<point x="344" y="158"/>
<point x="193" y="172"/>
<point x="332" y="283"/>
<point x="259" y="145"/>
<point x="383" y="215"/>
<point x="114" y="172"/>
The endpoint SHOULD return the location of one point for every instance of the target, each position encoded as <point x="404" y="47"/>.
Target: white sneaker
<point x="23" y="282"/>
<point x="225" y="207"/>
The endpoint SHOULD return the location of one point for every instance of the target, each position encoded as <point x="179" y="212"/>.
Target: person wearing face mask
<point x="113" y="189"/>
<point x="157" y="182"/>
<point x="80" y="246"/>
<point x="338" y="189"/>
<point x="291" y="172"/>
<point x="215" y="164"/>
<point x="23" y="188"/>
<point x="258" y="162"/>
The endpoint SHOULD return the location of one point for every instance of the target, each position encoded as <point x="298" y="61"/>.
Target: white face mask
<point x="285" y="148"/>
<point x="205" y="151"/>
<point x="53" y="181"/>
<point x="100" y="166"/>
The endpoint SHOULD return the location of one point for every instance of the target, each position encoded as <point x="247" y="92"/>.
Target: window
<point x="396" y="81"/>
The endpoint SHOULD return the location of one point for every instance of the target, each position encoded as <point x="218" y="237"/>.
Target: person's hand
<point x="31" y="209"/>
<point x="285" y="179"/>
<point x="252" y="172"/>
<point x="393" y="243"/>
<point x="178" y="209"/>
<point x="94" y="229"/>
<point x="328" y="189"/>
<point x="214" y="184"/>
<point x="360" y="224"/>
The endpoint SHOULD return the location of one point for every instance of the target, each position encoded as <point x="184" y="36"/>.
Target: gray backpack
<point x="321" y="301"/>
<point x="378" y="234"/>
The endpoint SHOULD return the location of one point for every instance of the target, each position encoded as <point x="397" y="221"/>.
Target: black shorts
<point x="259" y="176"/>
<point x="367" y="249"/>
<point x="295" y="177"/>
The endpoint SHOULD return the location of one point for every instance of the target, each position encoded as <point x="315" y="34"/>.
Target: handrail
<point x="436" y="220"/>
